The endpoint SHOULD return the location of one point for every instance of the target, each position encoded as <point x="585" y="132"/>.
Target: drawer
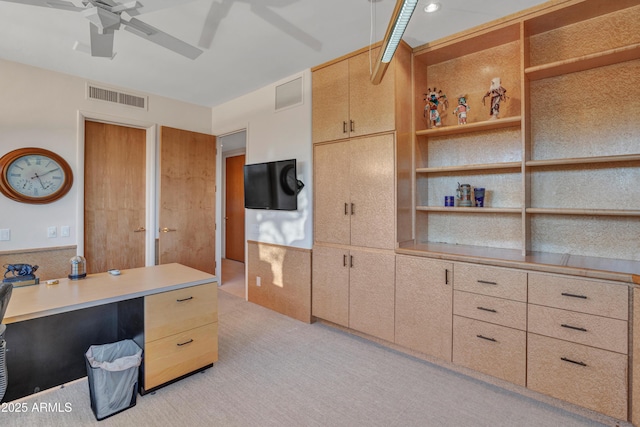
<point x="595" y="331"/>
<point x="512" y="314"/>
<point x="607" y="299"/>
<point x="492" y="281"/>
<point x="175" y="311"/>
<point x="171" y="357"/>
<point x="585" y="376"/>
<point x="490" y="349"/>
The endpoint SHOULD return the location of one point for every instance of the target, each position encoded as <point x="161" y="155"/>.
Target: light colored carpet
<point x="276" y="371"/>
<point x="233" y="278"/>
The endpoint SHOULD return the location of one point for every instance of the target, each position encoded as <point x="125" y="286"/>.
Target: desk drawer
<point x="171" y="357"/>
<point x="500" y="311"/>
<point x="492" y="281"/>
<point x="595" y="331"/>
<point x="585" y="376"/>
<point x="586" y="296"/>
<point x="491" y="349"/>
<point x="175" y="311"/>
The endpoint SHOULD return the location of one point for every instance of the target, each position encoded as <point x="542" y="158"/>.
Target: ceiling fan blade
<point x="287" y="27"/>
<point x="55" y="4"/>
<point x="161" y="38"/>
<point x="101" y="43"/>
<point x="146" y="6"/>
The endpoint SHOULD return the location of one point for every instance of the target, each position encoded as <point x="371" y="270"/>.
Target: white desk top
<point x="41" y="300"/>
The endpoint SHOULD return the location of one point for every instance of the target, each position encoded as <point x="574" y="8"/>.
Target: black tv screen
<point x="271" y="185"/>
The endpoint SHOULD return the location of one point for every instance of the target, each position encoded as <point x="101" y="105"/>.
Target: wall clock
<point x="34" y="175"/>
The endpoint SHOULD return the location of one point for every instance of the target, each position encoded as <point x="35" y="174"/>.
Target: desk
<point x="50" y="327"/>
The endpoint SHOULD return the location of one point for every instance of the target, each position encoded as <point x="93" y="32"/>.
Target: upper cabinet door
<point x="330" y="101"/>
<point x="331" y="193"/>
<point x="371" y="107"/>
<point x="373" y="192"/>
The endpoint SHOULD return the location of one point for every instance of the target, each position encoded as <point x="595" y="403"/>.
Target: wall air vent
<point x="289" y="94"/>
<point x="116" y="97"/>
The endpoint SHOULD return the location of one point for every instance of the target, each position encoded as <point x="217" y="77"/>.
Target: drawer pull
<point x="487" y="282"/>
<point x="446" y="276"/>
<point x="573" y="361"/>
<point x="487" y="309"/>
<point x="576" y="328"/>
<point x="180" y="344"/>
<point x="566" y="294"/>
<point x="486" y="338"/>
<point x="184" y="299"/>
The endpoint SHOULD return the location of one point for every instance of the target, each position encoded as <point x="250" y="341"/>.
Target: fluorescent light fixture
<point x="432" y="7"/>
<point x="398" y="23"/>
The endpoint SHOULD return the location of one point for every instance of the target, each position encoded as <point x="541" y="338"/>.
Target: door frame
<point x="150" y="186"/>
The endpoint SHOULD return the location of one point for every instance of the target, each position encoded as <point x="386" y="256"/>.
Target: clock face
<point x="34" y="176"/>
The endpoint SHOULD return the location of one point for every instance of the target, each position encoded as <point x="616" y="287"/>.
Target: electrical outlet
<point x="65" y="231"/>
<point x="258" y="281"/>
<point x="5" y="234"/>
<point x="52" y="232"/>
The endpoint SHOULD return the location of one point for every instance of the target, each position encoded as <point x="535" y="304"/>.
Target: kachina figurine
<point x="461" y="110"/>
<point x="497" y="94"/>
<point x="434" y="100"/>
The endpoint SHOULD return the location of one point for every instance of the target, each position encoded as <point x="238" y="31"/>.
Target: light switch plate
<point x="52" y="232"/>
<point x="5" y="234"/>
<point x="64" y="231"/>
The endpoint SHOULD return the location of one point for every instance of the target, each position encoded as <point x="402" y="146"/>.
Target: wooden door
<point x="234" y="208"/>
<point x="373" y="192"/>
<point x="424" y="305"/>
<point x="371" y="107"/>
<point x="331" y="193"/>
<point x="187" y="199"/>
<point x="114" y="197"/>
<point x="330" y="102"/>
<point x="330" y="290"/>
<point x="371" y="293"/>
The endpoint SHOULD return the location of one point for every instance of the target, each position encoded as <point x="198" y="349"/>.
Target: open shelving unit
<point x="561" y="165"/>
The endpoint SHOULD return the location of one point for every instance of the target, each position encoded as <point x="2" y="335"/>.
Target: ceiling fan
<point x="107" y="16"/>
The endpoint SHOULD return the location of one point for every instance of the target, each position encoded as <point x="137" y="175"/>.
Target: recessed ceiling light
<point x="432" y="7"/>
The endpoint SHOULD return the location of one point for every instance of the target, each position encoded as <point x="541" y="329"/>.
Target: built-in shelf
<point x="584" y="160"/>
<point x="459" y="209"/>
<point x="595" y="212"/>
<point x="586" y="62"/>
<point x="472" y="127"/>
<point x="463" y="168"/>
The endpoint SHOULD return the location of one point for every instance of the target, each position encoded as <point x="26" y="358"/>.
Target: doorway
<point x="233" y="147"/>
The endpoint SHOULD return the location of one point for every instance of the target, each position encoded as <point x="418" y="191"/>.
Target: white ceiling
<point x="247" y="44"/>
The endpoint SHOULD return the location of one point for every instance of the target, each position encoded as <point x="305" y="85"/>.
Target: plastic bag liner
<point x="112" y="370"/>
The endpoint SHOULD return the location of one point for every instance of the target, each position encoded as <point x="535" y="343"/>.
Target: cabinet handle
<point x="352" y="126"/>
<point x="344" y="127"/>
<point x="351" y="261"/>
<point x="565" y="294"/>
<point x="446" y="276"/>
<point x="166" y="230"/>
<point x="487" y="309"/>
<point x="139" y="229"/>
<point x="344" y="260"/>
<point x="180" y="344"/>
<point x="184" y="299"/>
<point x="564" y="325"/>
<point x="353" y="209"/>
<point x="486" y="338"/>
<point x="346" y="208"/>
<point x="487" y="283"/>
<point x="573" y="361"/>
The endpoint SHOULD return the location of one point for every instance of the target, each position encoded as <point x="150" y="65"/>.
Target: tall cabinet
<point x="357" y="129"/>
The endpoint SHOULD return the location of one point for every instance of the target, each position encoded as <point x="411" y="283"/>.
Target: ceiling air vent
<point x="117" y="97"/>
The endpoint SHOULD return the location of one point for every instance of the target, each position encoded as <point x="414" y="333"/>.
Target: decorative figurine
<point x="461" y="110"/>
<point x="497" y="94"/>
<point x="434" y="99"/>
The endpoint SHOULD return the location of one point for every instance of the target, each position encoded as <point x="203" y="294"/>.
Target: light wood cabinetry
<point x="559" y="169"/>
<point x="355" y="193"/>
<point x="355" y="288"/>
<point x="490" y="321"/>
<point x="578" y="338"/>
<point x="424" y="305"/>
<point x="181" y="333"/>
<point x="346" y="104"/>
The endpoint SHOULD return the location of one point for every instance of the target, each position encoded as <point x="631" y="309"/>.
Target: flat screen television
<point x="272" y="185"/>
